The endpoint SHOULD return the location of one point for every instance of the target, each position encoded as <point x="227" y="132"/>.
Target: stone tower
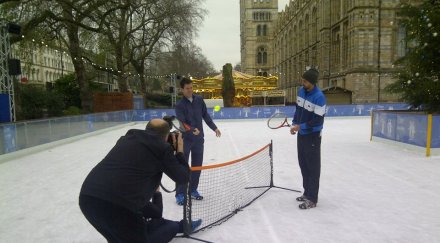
<point x="257" y="24"/>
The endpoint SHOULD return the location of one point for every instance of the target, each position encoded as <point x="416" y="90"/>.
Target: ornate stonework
<point x="353" y="43"/>
<point x="257" y="22"/>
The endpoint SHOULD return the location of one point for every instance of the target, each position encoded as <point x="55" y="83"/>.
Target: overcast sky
<point x="219" y="34"/>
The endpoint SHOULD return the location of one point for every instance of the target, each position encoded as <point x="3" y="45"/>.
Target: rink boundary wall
<point x="415" y="130"/>
<point x="22" y="135"/>
<point x="45" y="146"/>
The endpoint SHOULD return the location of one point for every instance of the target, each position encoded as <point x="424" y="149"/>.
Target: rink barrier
<point x="415" y="130"/>
<point x="258" y="112"/>
<point x="21" y="135"/>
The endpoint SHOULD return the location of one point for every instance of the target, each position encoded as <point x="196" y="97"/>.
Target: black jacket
<point x="154" y="209"/>
<point x="132" y="170"/>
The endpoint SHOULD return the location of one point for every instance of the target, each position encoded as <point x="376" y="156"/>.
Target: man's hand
<point x="218" y="133"/>
<point x="294" y="129"/>
<point x="196" y="131"/>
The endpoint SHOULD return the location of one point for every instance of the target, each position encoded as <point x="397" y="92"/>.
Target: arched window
<point x="295" y="41"/>
<point x="261" y="55"/>
<point x="314" y="26"/>
<point x="301" y="36"/>
<point x="306" y="31"/>
<point x="258" y="30"/>
<point x="264" y="30"/>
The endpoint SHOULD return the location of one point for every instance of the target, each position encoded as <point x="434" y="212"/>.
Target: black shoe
<point x="307" y="204"/>
<point x="301" y="198"/>
<point x="196" y="195"/>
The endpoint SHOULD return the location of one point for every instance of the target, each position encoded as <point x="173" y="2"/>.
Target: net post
<point x="187" y="230"/>
<point x="271" y="162"/>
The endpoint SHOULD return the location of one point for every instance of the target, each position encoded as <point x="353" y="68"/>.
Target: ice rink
<point x="370" y="191"/>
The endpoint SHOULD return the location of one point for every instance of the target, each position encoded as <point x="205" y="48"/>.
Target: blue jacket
<point x="310" y="110"/>
<point x="192" y="114"/>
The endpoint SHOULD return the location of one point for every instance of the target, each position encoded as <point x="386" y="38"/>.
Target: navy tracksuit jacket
<point x="192" y="113"/>
<point x="309" y="114"/>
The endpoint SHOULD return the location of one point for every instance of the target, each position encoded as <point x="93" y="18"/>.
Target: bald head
<point x="159" y="126"/>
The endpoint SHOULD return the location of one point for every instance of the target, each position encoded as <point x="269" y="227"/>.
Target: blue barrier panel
<point x="361" y="109"/>
<point x="138" y="103"/>
<point x="267" y="111"/>
<point x="250" y="112"/>
<point x="411" y="129"/>
<point x="32" y="133"/>
<point x="27" y="134"/>
<point x="90" y="120"/>
<point x="146" y="115"/>
<point x="9" y="141"/>
<point x="5" y="115"/>
<point x="385" y="125"/>
<point x="435" y="138"/>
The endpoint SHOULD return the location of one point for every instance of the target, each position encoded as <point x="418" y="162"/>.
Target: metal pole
<point x="6" y="81"/>
<point x="174" y="93"/>
<point x="379" y="36"/>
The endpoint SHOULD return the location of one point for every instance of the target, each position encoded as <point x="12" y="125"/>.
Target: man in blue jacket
<point x="191" y="109"/>
<point x="308" y="122"/>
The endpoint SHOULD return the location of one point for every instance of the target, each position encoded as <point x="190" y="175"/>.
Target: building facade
<point x="258" y="19"/>
<point x="41" y="64"/>
<point x="353" y="43"/>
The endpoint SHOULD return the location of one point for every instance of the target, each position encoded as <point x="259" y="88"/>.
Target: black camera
<point x="170" y="139"/>
<point x="169" y="120"/>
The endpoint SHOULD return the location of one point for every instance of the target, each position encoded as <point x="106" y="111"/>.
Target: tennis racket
<point x="181" y="126"/>
<point x="177" y="124"/>
<point x="278" y="120"/>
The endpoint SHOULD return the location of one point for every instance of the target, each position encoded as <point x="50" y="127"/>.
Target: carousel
<point x="249" y="90"/>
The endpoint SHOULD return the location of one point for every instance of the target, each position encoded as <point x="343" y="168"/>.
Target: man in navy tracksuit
<point x="308" y="122"/>
<point x="191" y="109"/>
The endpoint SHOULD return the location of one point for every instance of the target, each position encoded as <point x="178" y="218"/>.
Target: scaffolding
<point x="6" y="81"/>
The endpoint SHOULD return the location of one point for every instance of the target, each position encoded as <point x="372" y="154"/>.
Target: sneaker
<point x="195" y="224"/>
<point x="180" y="198"/>
<point x="307" y="204"/>
<point x="196" y="195"/>
<point x="301" y="198"/>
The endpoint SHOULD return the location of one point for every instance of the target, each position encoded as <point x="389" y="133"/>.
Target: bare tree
<point x="66" y="19"/>
<point x="162" y="23"/>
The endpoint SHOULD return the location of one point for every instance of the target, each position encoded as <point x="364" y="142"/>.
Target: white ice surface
<point x="370" y="191"/>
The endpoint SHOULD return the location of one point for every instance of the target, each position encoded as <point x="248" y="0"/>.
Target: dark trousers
<point x="195" y="149"/>
<point x="118" y="224"/>
<point x="309" y="157"/>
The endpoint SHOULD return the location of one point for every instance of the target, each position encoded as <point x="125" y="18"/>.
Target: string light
<point x="86" y="60"/>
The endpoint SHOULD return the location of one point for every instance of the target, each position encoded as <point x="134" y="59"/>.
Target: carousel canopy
<point x="241" y="81"/>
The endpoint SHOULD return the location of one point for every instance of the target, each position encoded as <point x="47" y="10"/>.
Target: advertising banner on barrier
<point x="9" y="141"/>
<point x="385" y="125"/>
<point x="411" y="129"/>
<point x="435" y="137"/>
<point x="27" y="134"/>
<point x="266" y="111"/>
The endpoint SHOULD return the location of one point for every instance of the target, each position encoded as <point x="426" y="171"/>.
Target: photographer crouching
<point x="116" y="195"/>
